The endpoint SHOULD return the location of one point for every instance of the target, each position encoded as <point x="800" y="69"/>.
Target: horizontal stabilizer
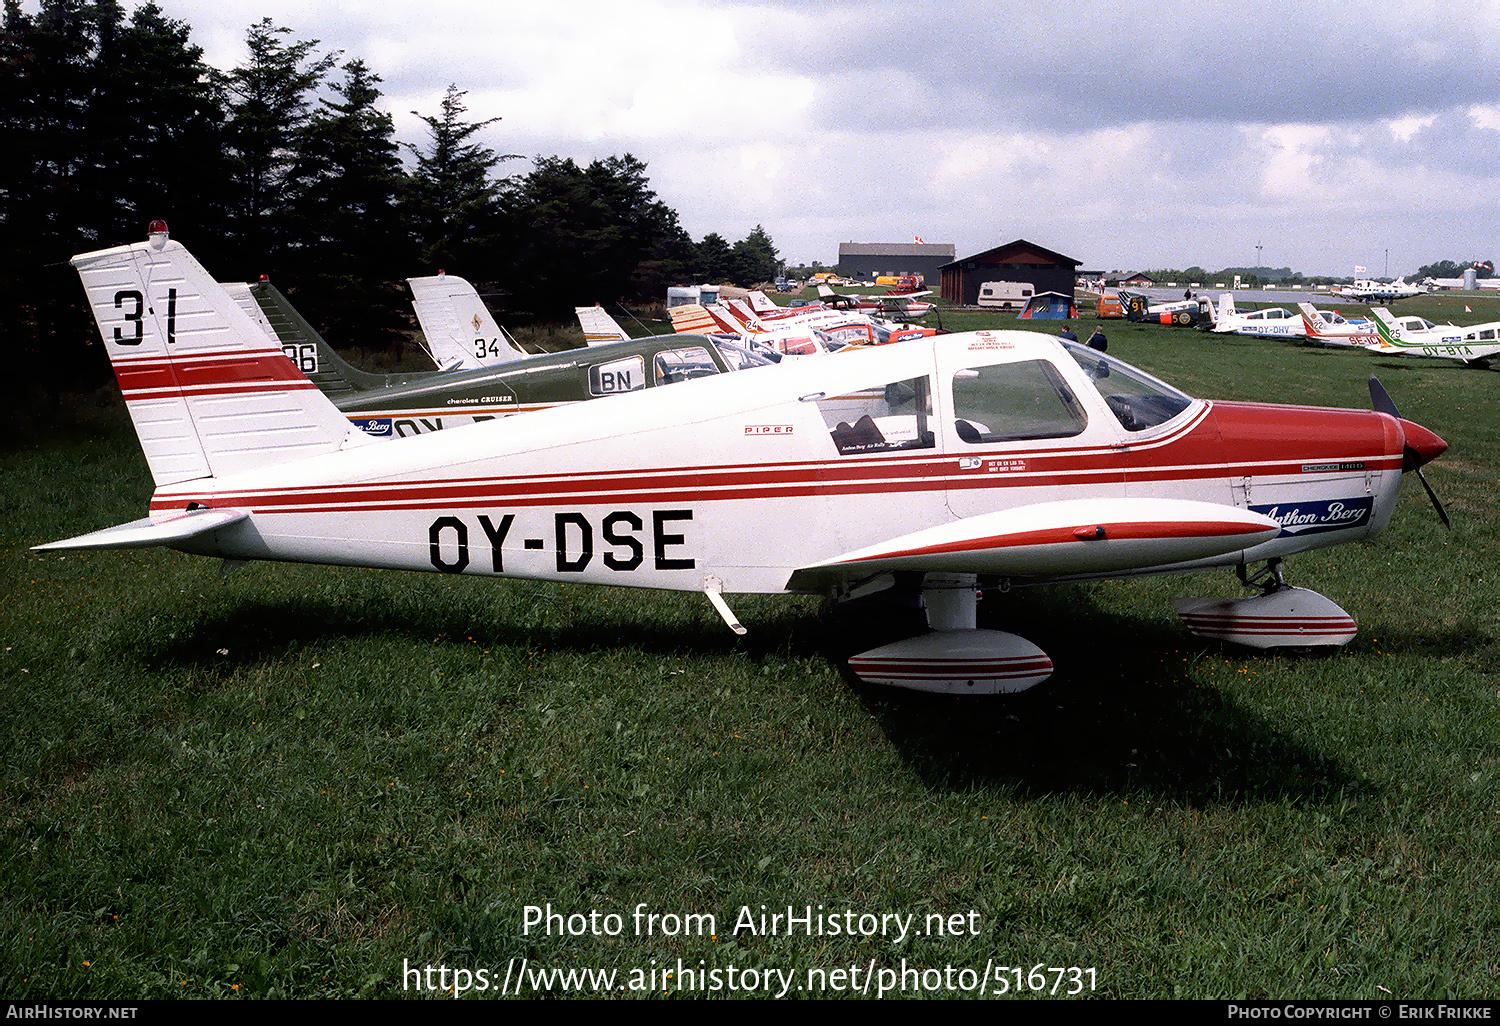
<point x="1071" y="538"/>
<point x="146" y="532"/>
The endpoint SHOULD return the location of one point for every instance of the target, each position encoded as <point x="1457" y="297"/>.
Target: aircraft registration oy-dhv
<point x="940" y="465"/>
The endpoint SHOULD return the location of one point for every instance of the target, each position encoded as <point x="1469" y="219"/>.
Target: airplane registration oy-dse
<point x="940" y="464"/>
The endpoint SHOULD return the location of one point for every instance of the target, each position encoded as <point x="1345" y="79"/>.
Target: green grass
<point x="292" y="781"/>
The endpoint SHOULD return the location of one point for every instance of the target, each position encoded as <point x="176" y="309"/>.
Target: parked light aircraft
<point x="1273" y="321"/>
<point x="783" y="338"/>
<point x="1365" y="290"/>
<point x="812" y="333"/>
<point x="1328" y="328"/>
<point x="992" y="457"/>
<point x="905" y="304"/>
<point x="837" y="328"/>
<point x="1138" y="307"/>
<point x="396" y="405"/>
<point x="1475" y="345"/>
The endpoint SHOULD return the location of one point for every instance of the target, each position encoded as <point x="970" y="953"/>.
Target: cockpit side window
<point x="1137" y="400"/>
<point x="673" y="365"/>
<point x="1011" y="401"/>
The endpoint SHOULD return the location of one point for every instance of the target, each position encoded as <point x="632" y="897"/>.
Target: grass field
<point x="301" y="781"/>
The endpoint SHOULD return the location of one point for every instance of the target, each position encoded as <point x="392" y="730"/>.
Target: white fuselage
<point x="675" y="488"/>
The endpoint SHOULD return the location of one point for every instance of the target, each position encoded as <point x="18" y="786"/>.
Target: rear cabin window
<point x="1011" y="401"/>
<point x="894" y="416"/>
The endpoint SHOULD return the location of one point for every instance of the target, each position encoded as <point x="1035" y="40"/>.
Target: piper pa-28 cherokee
<point x="1005" y="456"/>
<point x="1330" y="328"/>
<point x="1475" y="345"/>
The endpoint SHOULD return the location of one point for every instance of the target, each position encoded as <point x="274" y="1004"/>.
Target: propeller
<point x="1412" y="457"/>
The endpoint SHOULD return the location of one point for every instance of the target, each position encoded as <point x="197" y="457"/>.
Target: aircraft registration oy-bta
<point x="938" y="465"/>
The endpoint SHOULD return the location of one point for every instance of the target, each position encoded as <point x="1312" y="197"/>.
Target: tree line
<point x="289" y="166"/>
<point x="1257" y="276"/>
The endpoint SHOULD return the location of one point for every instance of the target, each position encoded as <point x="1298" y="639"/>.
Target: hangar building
<point x="866" y="260"/>
<point x="1015" y="261"/>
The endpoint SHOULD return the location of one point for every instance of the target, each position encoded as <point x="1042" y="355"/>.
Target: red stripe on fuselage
<point x="1238" y="439"/>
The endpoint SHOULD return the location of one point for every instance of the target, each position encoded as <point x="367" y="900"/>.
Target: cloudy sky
<point x="1124" y="136"/>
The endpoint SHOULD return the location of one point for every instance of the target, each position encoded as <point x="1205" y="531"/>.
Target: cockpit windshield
<point x="1137" y="400"/>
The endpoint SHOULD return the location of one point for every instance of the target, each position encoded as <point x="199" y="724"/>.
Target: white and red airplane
<point x="834" y="328"/>
<point x="904" y="304"/>
<point x="942" y="465"/>
<point x="1330" y="328"/>
<point x="784" y="338"/>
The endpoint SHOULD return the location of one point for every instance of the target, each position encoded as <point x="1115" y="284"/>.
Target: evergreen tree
<point x="54" y="194"/>
<point x="348" y="239"/>
<point x="453" y="201"/>
<point x="594" y="234"/>
<point x="268" y="110"/>
<point x="715" y="259"/>
<point x="754" y="259"/>
<point x="168" y="116"/>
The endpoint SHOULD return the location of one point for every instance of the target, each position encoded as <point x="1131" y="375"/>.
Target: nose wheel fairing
<point x="1285" y="617"/>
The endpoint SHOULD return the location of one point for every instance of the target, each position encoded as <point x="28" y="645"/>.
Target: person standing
<point x="1098" y="341"/>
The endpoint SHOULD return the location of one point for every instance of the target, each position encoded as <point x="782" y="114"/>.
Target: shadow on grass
<point x="1122" y="714"/>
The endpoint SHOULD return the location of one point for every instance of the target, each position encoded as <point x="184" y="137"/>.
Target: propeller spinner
<point x="1422" y="446"/>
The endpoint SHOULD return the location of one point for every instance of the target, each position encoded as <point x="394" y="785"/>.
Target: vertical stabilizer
<point x="209" y="390"/>
<point x="1388" y="341"/>
<point x="461" y="332"/>
<point x="305" y="346"/>
<point x="745" y="315"/>
<point x="1226" y="312"/>
<point x="599" y="328"/>
<point x="1309" y="320"/>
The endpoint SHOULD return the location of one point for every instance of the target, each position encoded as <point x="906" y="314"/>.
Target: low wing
<point x="1074" y="537"/>
<point x="144" y="533"/>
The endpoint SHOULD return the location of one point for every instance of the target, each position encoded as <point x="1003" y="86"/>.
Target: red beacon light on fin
<point x="157" y="230"/>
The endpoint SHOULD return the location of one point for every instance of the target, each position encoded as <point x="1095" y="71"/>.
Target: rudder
<point x="209" y="391"/>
